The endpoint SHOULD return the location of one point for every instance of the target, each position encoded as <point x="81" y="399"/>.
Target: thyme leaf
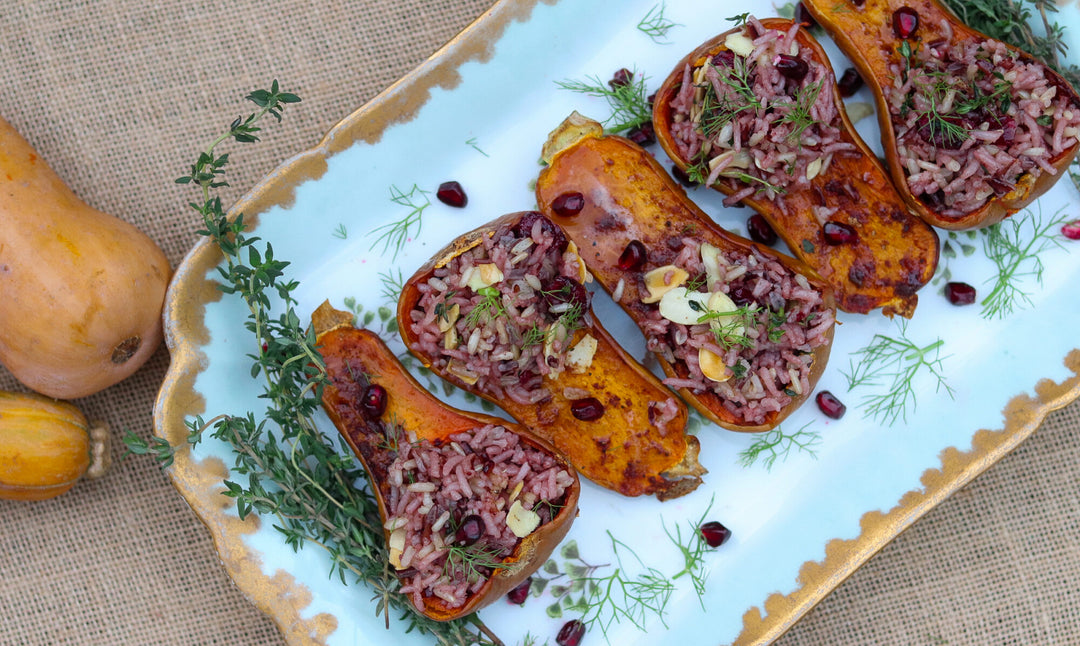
<point x="284" y="467"/>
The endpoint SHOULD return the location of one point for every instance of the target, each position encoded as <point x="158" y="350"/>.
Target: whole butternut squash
<point x="82" y="291"/>
<point x="46" y="446"/>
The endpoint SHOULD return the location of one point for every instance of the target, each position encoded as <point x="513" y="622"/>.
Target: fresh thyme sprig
<point x="893" y="365"/>
<point x="1017" y="254"/>
<point x="293" y="472"/>
<point x="774" y="445"/>
<point x="628" y="101"/>
<point x="396" y="234"/>
<point x="655" y="25"/>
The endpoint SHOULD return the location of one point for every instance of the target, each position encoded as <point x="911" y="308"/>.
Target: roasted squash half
<point x="836" y="209"/>
<point x="403" y="435"/>
<point x="727" y="318"/>
<point x="984" y="108"/>
<point x="502" y="312"/>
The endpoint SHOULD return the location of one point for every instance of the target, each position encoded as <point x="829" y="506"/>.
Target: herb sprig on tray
<point x="628" y="101"/>
<point x="284" y="467"/>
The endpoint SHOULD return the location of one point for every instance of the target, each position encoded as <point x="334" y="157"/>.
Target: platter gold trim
<point x="279" y="595"/>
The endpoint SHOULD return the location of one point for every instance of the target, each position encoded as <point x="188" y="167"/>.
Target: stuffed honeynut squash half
<point x="742" y="331"/>
<point x="756" y="114"/>
<point x="503" y="312"/>
<point x="973" y="129"/>
<point x="471" y="504"/>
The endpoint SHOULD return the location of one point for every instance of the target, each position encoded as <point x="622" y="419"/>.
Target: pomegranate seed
<point x="571" y="633"/>
<point x="563" y="289"/>
<point x="960" y="293"/>
<point x="451" y="194"/>
<point x="1071" y="230"/>
<point x="830" y="405"/>
<point x="792" y="67"/>
<point x="373" y="401"/>
<point x="849" y="82"/>
<point x="519" y="594"/>
<point x="633" y="256"/>
<point x="803" y="15"/>
<point x="470" y="530"/>
<point x="643" y="135"/>
<point x="760" y="230"/>
<point x="724" y="58"/>
<point x="621" y="78"/>
<point x="837" y="233"/>
<point x="568" y="204"/>
<point x="714" y="533"/>
<point x="905" y="21"/>
<point x="587" y="410"/>
<point x="681" y="177"/>
<point x="524" y="227"/>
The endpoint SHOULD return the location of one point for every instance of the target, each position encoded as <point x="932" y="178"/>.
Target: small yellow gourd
<point x="46" y="446"/>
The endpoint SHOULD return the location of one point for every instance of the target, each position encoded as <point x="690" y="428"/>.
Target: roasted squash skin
<point x="81" y="290"/>
<point x="894" y="254"/>
<point x="46" y="446"/>
<point x="622" y="450"/>
<point x="629" y="196"/>
<point x="862" y="33"/>
<point x="348" y="351"/>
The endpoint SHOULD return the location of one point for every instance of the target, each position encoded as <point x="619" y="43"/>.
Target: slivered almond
<point x="580" y="357"/>
<point x="683" y="306"/>
<point x="729" y="326"/>
<point x="446" y="320"/>
<point x="662" y="280"/>
<point x="484" y="275"/>
<point x="739" y="44"/>
<point x="713" y="366"/>
<point x="521" y="521"/>
<point x="710" y="257"/>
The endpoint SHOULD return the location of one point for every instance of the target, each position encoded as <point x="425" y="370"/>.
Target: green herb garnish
<point x="285" y="468"/>
<point x="1017" y="254"/>
<point x="655" y="25"/>
<point x="892" y="365"/>
<point x="628" y="101"/>
<point x="489" y="307"/>
<point x="774" y="445"/>
<point x="397" y="233"/>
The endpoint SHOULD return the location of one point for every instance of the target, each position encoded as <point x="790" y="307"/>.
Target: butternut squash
<point x="378" y="406"/>
<point x="82" y="291"/>
<point x="882" y="253"/>
<point x="613" y="419"/>
<point x="890" y="40"/>
<point x="46" y="446"/>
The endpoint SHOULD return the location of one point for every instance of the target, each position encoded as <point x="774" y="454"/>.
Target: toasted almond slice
<point x="662" y="280"/>
<point x="684" y="306"/>
<point x="730" y="326"/>
<point x="814" y="168"/>
<point x="580" y="357"/>
<point x="582" y="274"/>
<point x="461" y="372"/>
<point x="446" y="320"/>
<point x="710" y="257"/>
<point x="522" y="521"/>
<point x="739" y="43"/>
<point x="713" y="366"/>
<point x="485" y="275"/>
<point x="450" y="339"/>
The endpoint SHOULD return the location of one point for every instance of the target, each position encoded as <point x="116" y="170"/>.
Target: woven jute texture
<point x="118" y="95"/>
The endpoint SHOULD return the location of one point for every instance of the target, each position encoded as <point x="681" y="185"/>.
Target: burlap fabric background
<point x="118" y="95"/>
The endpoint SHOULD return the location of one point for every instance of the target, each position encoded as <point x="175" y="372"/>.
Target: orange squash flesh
<point x="349" y="351"/>
<point x="863" y="32"/>
<point x="622" y="450"/>
<point x="894" y="254"/>
<point x="618" y="178"/>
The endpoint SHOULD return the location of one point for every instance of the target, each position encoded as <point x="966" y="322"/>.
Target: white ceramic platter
<point x="478" y="112"/>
